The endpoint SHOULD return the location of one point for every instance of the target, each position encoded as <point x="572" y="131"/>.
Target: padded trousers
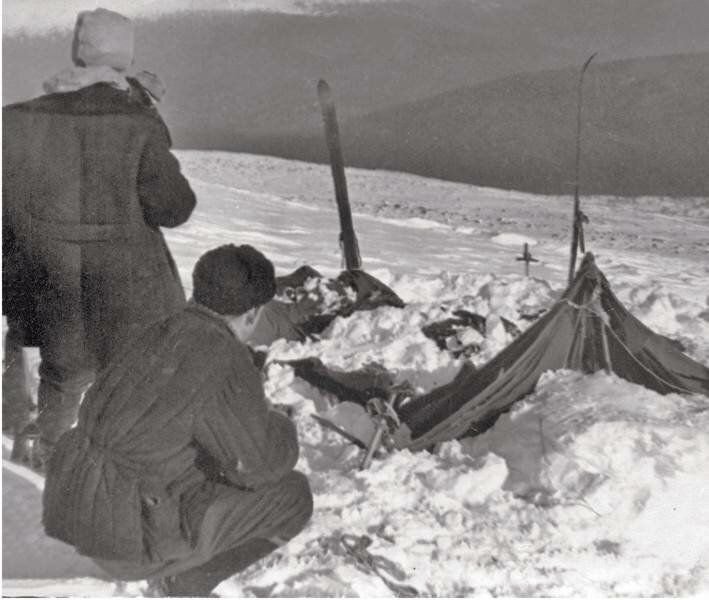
<point x="231" y="529"/>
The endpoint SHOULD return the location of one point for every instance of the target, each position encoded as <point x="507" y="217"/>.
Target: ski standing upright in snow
<point x="577" y="237"/>
<point x="348" y="238"/>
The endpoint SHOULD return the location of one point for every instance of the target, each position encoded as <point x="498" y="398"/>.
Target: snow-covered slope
<point x="591" y="486"/>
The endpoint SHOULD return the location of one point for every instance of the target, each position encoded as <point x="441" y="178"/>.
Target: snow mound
<point x="634" y="461"/>
<point x="513" y="239"/>
<point x="671" y="314"/>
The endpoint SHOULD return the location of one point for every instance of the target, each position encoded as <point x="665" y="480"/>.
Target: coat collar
<point x="202" y="310"/>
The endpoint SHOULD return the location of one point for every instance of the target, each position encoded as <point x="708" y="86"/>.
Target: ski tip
<point x="588" y="61"/>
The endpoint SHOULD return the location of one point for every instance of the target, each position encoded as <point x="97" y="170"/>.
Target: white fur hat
<point x="103" y="37"/>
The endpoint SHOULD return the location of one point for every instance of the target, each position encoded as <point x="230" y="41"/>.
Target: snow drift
<point x="591" y="486"/>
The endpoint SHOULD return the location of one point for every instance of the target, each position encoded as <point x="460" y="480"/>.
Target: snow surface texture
<point x="591" y="486"/>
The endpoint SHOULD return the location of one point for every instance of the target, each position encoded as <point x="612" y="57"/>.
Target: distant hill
<point x="645" y="131"/>
<point x="246" y="81"/>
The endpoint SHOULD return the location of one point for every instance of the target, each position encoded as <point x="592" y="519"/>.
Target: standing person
<point x="88" y="180"/>
<point x="179" y="470"/>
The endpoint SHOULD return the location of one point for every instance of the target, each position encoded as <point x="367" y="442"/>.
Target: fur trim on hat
<point x="75" y="78"/>
<point x="103" y="37"/>
<point x="231" y="280"/>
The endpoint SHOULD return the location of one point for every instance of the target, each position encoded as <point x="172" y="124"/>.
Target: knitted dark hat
<point x="233" y="279"/>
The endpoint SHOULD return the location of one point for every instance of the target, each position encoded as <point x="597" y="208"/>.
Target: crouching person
<point x="178" y="470"/>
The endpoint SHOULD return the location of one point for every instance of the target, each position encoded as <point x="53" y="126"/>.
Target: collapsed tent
<point x="447" y="333"/>
<point x="307" y="303"/>
<point x="587" y="330"/>
<point x="358" y="386"/>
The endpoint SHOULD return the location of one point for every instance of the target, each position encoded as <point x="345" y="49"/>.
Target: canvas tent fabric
<point x="587" y="330"/>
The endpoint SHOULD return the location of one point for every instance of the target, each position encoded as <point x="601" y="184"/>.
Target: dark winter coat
<point x="183" y="405"/>
<point x="88" y="179"/>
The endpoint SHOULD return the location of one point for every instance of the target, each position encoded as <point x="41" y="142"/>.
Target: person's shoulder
<point x="209" y="326"/>
<point x="25" y="106"/>
<point x="215" y="336"/>
<point x="189" y="337"/>
<point x="100" y="99"/>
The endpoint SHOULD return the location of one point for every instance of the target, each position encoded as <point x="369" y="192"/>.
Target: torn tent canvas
<point x="307" y="303"/>
<point x="359" y="386"/>
<point x="587" y="330"/>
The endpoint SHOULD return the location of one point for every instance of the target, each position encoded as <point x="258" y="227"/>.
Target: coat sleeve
<point x="165" y="194"/>
<point x="253" y="444"/>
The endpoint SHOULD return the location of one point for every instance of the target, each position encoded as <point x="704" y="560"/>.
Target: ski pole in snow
<point x="577" y="237"/>
<point x="527" y="258"/>
<point x="348" y="239"/>
<point x="385" y="420"/>
<point x="374" y="444"/>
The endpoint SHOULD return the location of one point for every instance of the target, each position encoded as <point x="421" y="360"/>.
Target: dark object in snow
<point x="510" y="327"/>
<point x="296" y="279"/>
<point x="359" y="386"/>
<point x="605" y="547"/>
<point x="385" y="569"/>
<point x="532" y="316"/>
<point x="587" y="330"/>
<point x="446" y="333"/>
<point x="371" y="293"/>
<point x="308" y="315"/>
